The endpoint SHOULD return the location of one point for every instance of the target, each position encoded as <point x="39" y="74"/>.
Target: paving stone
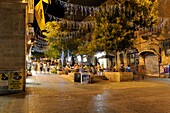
<point x="50" y="93"/>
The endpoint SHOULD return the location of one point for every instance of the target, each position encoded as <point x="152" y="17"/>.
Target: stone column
<point x="12" y="36"/>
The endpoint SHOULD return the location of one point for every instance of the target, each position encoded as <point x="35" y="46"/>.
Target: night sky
<point x="58" y="11"/>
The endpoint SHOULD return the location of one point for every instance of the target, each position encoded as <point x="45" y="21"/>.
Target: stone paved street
<point x="48" y="93"/>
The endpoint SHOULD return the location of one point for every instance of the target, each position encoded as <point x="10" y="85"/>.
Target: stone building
<point x="152" y="53"/>
<point x="13" y="28"/>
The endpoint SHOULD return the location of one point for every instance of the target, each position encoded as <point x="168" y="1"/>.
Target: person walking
<point x="48" y="67"/>
<point x="44" y="67"/>
<point x="99" y="70"/>
<point x="93" y="70"/>
<point x="41" y="67"/>
<point x="36" y="67"/>
<point x="81" y="68"/>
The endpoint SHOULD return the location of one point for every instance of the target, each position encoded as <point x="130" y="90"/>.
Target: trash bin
<point x="77" y="77"/>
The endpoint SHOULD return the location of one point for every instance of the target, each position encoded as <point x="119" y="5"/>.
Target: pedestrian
<point x="41" y="67"/>
<point x="99" y="70"/>
<point x="122" y="69"/>
<point x="76" y="67"/>
<point x="48" y="67"/>
<point x="81" y="68"/>
<point x="114" y="69"/>
<point x="128" y="68"/>
<point x="36" y="67"/>
<point x="44" y="67"/>
<point x="93" y="70"/>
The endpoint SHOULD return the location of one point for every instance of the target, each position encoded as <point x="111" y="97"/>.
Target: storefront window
<point x="132" y="57"/>
<point x="166" y="47"/>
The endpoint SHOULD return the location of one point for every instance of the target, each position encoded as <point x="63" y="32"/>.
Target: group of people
<point x="41" y="67"/>
<point x="94" y="69"/>
<point x="44" y="67"/>
<point x="123" y="69"/>
<point x="84" y="68"/>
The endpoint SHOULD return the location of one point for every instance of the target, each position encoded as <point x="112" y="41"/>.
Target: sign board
<point x="16" y="80"/>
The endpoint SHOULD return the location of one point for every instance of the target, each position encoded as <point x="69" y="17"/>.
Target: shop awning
<point x="107" y="56"/>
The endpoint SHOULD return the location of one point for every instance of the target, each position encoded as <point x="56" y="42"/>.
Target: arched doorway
<point x="151" y="60"/>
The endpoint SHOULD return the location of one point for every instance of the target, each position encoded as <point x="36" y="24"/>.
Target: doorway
<point x="152" y="65"/>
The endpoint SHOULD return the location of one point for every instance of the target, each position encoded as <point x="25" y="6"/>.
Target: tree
<point x="52" y="51"/>
<point x="117" y="21"/>
<point x="115" y="25"/>
<point x="58" y="40"/>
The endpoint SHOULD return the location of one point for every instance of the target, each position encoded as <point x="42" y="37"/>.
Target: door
<point x="152" y="65"/>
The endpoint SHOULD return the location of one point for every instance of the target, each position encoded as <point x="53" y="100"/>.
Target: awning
<point x="107" y="56"/>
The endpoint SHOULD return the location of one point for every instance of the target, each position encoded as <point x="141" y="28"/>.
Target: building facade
<point x="13" y="24"/>
<point x="152" y="54"/>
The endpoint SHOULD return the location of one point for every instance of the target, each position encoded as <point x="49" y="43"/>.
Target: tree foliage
<point x="117" y="21"/>
<point x="115" y="25"/>
<point x="58" y="40"/>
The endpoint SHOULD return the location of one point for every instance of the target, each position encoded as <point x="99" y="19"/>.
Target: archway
<point x="151" y="60"/>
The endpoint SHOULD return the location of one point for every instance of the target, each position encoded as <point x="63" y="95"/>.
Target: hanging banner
<point x="39" y="15"/>
<point x="16" y="80"/>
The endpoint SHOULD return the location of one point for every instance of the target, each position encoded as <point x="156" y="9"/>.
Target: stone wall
<point x="12" y="35"/>
<point x="119" y="76"/>
<point x="164" y="8"/>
